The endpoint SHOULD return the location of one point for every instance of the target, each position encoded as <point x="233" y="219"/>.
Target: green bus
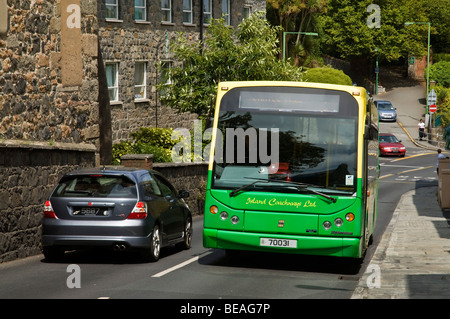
<point x="293" y="168"/>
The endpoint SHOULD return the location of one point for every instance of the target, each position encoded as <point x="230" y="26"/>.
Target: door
<point x="173" y="218"/>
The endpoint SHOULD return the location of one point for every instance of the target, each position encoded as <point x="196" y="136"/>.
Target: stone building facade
<point x="56" y="110"/>
<point x="56" y="58"/>
<point x="135" y="39"/>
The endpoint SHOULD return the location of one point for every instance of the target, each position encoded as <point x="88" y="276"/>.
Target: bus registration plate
<point x="277" y="242"/>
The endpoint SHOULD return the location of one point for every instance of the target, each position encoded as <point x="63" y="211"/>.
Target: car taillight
<point x="48" y="210"/>
<point x="139" y="211"/>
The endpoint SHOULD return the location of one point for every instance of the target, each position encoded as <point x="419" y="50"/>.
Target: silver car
<point x="386" y="111"/>
<point x="118" y="208"/>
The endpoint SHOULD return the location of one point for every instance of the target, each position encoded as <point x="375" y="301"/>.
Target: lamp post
<point x="284" y="39"/>
<point x="376" y="73"/>
<point x="428" y="55"/>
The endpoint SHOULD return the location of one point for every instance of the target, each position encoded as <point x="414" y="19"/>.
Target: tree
<point x="296" y="16"/>
<point x="246" y="53"/>
<point x="347" y="34"/>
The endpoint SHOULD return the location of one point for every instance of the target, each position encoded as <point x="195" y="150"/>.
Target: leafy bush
<point x="327" y="75"/>
<point x="440" y="72"/>
<point x="147" y="140"/>
<point x="154" y="135"/>
<point x="438" y="57"/>
<point x="443" y="103"/>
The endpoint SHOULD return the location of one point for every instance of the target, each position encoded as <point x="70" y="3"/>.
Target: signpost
<point x="432" y="97"/>
<point x="431" y="103"/>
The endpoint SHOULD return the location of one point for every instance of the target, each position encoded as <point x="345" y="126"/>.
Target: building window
<point x="207" y="11"/>
<point x="226" y="11"/>
<point x="187" y="11"/>
<point x="140" y="10"/>
<point x="246" y="12"/>
<point x="140" y="83"/>
<point x="112" y="9"/>
<point x="112" y="76"/>
<point x="166" y="66"/>
<point x="166" y="11"/>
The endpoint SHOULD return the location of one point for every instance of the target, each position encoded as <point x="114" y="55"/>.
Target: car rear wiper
<point x="299" y="185"/>
<point x="88" y="192"/>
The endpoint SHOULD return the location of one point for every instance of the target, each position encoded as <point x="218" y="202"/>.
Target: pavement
<point x="412" y="259"/>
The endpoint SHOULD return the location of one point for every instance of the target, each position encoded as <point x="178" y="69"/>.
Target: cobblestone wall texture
<point x="33" y="104"/>
<point x="27" y="176"/>
<point x="189" y="176"/>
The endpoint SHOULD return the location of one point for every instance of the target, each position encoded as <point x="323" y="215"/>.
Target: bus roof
<point x="353" y="90"/>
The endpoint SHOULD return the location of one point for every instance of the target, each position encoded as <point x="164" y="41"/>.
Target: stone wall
<point x="27" y="175"/>
<point x="126" y="41"/>
<point x="417" y="69"/>
<point x="188" y="176"/>
<point x="34" y="104"/>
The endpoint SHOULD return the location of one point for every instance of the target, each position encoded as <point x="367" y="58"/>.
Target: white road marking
<point x="187" y="262"/>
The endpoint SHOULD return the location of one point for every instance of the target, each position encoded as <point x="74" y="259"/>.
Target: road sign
<point x="432" y="108"/>
<point x="432" y="97"/>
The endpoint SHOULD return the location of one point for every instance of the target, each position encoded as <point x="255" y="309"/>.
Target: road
<point x="204" y="274"/>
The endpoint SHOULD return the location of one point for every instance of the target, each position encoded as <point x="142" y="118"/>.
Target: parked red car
<point x="390" y="145"/>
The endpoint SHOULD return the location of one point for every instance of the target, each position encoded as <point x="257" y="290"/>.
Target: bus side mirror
<point x="370" y="132"/>
<point x="367" y="132"/>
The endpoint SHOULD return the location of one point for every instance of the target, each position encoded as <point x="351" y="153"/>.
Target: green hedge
<point x="327" y="75"/>
<point x="440" y="72"/>
<point x="147" y="140"/>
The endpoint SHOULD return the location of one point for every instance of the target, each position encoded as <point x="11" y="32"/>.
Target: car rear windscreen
<point x="96" y="186"/>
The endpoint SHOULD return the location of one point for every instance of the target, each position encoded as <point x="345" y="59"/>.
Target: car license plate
<point x="277" y="242"/>
<point x="90" y="211"/>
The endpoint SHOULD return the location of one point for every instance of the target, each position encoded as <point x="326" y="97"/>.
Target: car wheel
<point x="152" y="253"/>
<point x="187" y="236"/>
<point x="53" y="253"/>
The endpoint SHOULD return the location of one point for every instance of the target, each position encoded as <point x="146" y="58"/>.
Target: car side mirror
<point x="183" y="193"/>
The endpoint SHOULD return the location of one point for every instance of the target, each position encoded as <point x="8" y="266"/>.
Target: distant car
<point x="390" y="145"/>
<point x="386" y="111"/>
<point x="117" y="208"/>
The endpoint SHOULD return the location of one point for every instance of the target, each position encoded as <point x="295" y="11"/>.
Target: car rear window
<point x="96" y="186"/>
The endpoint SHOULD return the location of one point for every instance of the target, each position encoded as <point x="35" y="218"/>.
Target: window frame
<point x="226" y="11"/>
<point x="189" y="12"/>
<point x="113" y="86"/>
<point x="164" y="12"/>
<point x="164" y="76"/>
<point x="145" y="8"/>
<point x="246" y="11"/>
<point x="207" y="15"/>
<point x="114" y="7"/>
<point x="144" y="79"/>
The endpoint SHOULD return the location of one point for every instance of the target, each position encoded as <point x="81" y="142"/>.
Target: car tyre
<point x="187" y="235"/>
<point x="52" y="253"/>
<point x="153" y="252"/>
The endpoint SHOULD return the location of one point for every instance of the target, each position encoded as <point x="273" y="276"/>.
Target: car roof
<point x="386" y="134"/>
<point x="114" y="170"/>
